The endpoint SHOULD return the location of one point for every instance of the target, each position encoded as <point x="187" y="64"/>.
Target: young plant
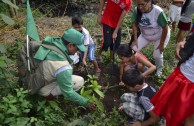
<point x="92" y="90"/>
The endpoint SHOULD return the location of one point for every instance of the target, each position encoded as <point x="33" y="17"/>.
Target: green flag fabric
<point x="31" y="29"/>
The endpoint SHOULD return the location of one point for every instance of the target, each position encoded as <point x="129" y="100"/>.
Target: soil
<point x="109" y="80"/>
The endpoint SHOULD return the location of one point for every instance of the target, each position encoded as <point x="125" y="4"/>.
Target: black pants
<point x="108" y="41"/>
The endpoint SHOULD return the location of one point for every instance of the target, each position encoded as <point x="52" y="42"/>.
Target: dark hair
<point x="125" y="50"/>
<point x="76" y="19"/>
<point x="187" y="2"/>
<point x="188" y="50"/>
<point x="139" y="13"/>
<point x="132" y="77"/>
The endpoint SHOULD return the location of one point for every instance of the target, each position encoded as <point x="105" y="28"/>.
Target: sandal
<point x="97" y="73"/>
<point x="99" y="61"/>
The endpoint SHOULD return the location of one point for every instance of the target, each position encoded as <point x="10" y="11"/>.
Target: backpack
<point x="24" y="72"/>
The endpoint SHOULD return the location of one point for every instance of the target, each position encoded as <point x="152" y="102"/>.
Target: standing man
<point x="111" y="21"/>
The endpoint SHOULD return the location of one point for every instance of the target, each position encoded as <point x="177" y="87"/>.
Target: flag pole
<point x="27" y="49"/>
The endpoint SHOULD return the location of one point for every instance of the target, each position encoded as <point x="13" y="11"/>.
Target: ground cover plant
<point x="19" y="108"/>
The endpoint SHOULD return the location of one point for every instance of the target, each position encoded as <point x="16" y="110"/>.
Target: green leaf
<point x="82" y="90"/>
<point x="26" y="110"/>
<point x="100" y="93"/>
<point x="8" y="120"/>
<point x="33" y="119"/>
<point x="54" y="105"/>
<point x="2" y="64"/>
<point x="95" y="83"/>
<point x="6" y="99"/>
<point x="87" y="93"/>
<point x="2" y="48"/>
<point x="99" y="104"/>
<point x="12" y="109"/>
<point x="22" y="121"/>
<point x="10" y="3"/>
<point x="7" y="19"/>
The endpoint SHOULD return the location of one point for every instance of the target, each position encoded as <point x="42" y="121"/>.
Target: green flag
<point x="31" y="29"/>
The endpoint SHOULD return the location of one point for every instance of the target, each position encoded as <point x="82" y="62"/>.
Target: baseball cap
<point x="73" y="36"/>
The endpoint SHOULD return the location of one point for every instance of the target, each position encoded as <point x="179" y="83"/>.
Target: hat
<point x="75" y="37"/>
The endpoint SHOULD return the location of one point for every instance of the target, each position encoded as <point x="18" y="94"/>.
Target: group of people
<point x="150" y="24"/>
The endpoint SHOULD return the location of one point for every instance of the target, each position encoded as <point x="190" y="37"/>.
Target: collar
<point x="145" y="86"/>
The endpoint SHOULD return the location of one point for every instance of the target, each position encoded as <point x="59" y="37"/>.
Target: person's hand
<point x="160" y="47"/>
<point x="114" y="36"/>
<point x="121" y="84"/>
<point x="99" y="19"/>
<point x="91" y="106"/>
<point x="84" y="62"/>
<point x="121" y="107"/>
<point x="78" y="53"/>
<point x="178" y="47"/>
<point x="134" y="43"/>
<point x="136" y="123"/>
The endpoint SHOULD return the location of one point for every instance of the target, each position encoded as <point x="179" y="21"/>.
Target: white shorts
<point x="54" y="89"/>
<point x="174" y="13"/>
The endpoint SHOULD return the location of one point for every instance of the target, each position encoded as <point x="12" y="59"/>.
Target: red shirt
<point x="113" y="11"/>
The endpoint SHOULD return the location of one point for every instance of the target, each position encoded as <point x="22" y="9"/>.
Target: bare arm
<point x="134" y="28"/>
<point x="85" y="55"/>
<point x="121" y="70"/>
<point x="153" y="119"/>
<point x="120" y="22"/>
<point x="99" y="18"/>
<point x="147" y="63"/>
<point x="178" y="48"/>
<point x="163" y="38"/>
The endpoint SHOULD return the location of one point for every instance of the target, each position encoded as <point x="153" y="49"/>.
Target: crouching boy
<point x="137" y="105"/>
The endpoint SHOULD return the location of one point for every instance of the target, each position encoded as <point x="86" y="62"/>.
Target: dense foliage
<point x="18" y="108"/>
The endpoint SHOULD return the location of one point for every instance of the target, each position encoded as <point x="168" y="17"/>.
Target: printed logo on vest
<point x="122" y="5"/>
<point x="116" y="1"/>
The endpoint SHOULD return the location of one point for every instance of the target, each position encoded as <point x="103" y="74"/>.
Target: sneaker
<point x="159" y="72"/>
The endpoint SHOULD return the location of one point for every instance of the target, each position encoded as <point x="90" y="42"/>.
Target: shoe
<point x="97" y="73"/>
<point x="158" y="73"/>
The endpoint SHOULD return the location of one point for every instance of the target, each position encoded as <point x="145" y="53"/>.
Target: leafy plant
<point x="18" y="109"/>
<point x="7" y="73"/>
<point x="6" y="18"/>
<point x="92" y="91"/>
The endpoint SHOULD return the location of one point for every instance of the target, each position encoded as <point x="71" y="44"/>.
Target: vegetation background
<point x="52" y="17"/>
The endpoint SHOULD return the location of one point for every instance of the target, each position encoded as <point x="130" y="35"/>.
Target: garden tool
<point x="113" y="66"/>
<point x="86" y="68"/>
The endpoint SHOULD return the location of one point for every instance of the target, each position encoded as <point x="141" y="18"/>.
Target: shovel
<point x="86" y="68"/>
<point x="113" y="66"/>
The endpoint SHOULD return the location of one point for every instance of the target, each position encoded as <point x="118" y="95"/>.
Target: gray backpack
<point x="24" y="72"/>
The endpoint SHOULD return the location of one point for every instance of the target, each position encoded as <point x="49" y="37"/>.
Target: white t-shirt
<point x="149" y="23"/>
<point x="186" y="17"/>
<point x="187" y="69"/>
<point x="87" y="40"/>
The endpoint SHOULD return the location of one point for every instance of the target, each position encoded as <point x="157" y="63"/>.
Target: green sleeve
<point x="64" y="80"/>
<point x="162" y="19"/>
<point x="134" y="17"/>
